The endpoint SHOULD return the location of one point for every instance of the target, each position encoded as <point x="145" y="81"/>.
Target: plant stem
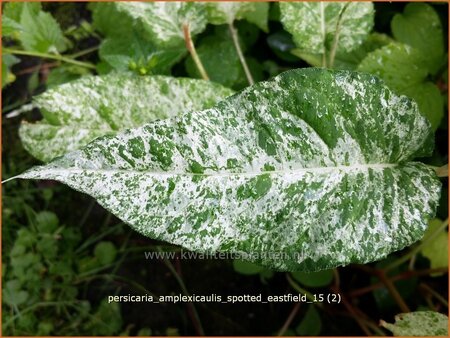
<point x="434" y="293"/>
<point x="235" y="37"/>
<point x="84" y="52"/>
<point x="394" y="292"/>
<point x="49" y="56"/>
<point x="196" y="319"/>
<point x="289" y="319"/>
<point x="419" y="247"/>
<point x="336" y="36"/>
<point x="353" y="313"/>
<point x="401" y="276"/>
<point x="298" y="288"/>
<point x="191" y="48"/>
<point x="440" y="171"/>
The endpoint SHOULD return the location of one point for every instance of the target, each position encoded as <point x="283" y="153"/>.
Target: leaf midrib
<point x="351" y="168"/>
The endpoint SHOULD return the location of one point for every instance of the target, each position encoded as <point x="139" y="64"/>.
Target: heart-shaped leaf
<point x="308" y="171"/>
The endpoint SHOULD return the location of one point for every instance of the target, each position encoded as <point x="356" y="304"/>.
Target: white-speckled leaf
<point x="164" y="21"/>
<point x="419" y="323"/>
<point x="314" y="24"/>
<point x="78" y="112"/>
<point x="225" y="12"/>
<point x="308" y="171"/>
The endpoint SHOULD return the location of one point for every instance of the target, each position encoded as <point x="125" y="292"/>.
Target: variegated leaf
<point x="418" y="323"/>
<point x="308" y="171"/>
<point x="78" y="112"/>
<point x="315" y="25"/>
<point x="225" y="12"/>
<point x="164" y="21"/>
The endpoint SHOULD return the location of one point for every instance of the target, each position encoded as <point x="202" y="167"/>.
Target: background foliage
<point x="63" y="254"/>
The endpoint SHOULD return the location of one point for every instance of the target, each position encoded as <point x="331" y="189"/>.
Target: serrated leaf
<point x="78" y="112"/>
<point x="10" y="27"/>
<point x="404" y="69"/>
<point x="419" y="323"/>
<point x="130" y="47"/>
<point x="226" y="12"/>
<point x="437" y="249"/>
<point x="313" y="166"/>
<point x="40" y="32"/>
<point x="419" y="26"/>
<point x="163" y="21"/>
<point x="429" y="99"/>
<point x="314" y="24"/>
<point x="399" y="65"/>
<point x="13" y="10"/>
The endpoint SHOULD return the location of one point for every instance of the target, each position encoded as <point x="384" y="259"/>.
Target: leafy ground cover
<point x="64" y="255"/>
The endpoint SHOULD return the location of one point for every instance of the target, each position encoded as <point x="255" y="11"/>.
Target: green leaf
<point x="351" y="60"/>
<point x="419" y="26"/>
<point x="10" y="27"/>
<point x="308" y="171"/>
<point x="63" y="74"/>
<point x="246" y="267"/>
<point x="311" y="324"/>
<point x="78" y="112"/>
<point x="226" y="12"/>
<point x="13" y="10"/>
<point x="419" y="323"/>
<point x="429" y="99"/>
<point x="436" y="250"/>
<point x="258" y="15"/>
<point x="8" y="61"/>
<point x="130" y="47"/>
<point x="106" y="321"/>
<point x="40" y="32"/>
<point x="314" y="279"/>
<point x="404" y="69"/>
<point x="314" y="24"/>
<point x="220" y="59"/>
<point x="399" y="65"/>
<point x="12" y="293"/>
<point x="105" y="252"/>
<point x="163" y="21"/>
<point x="46" y="222"/>
<point x="135" y="53"/>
